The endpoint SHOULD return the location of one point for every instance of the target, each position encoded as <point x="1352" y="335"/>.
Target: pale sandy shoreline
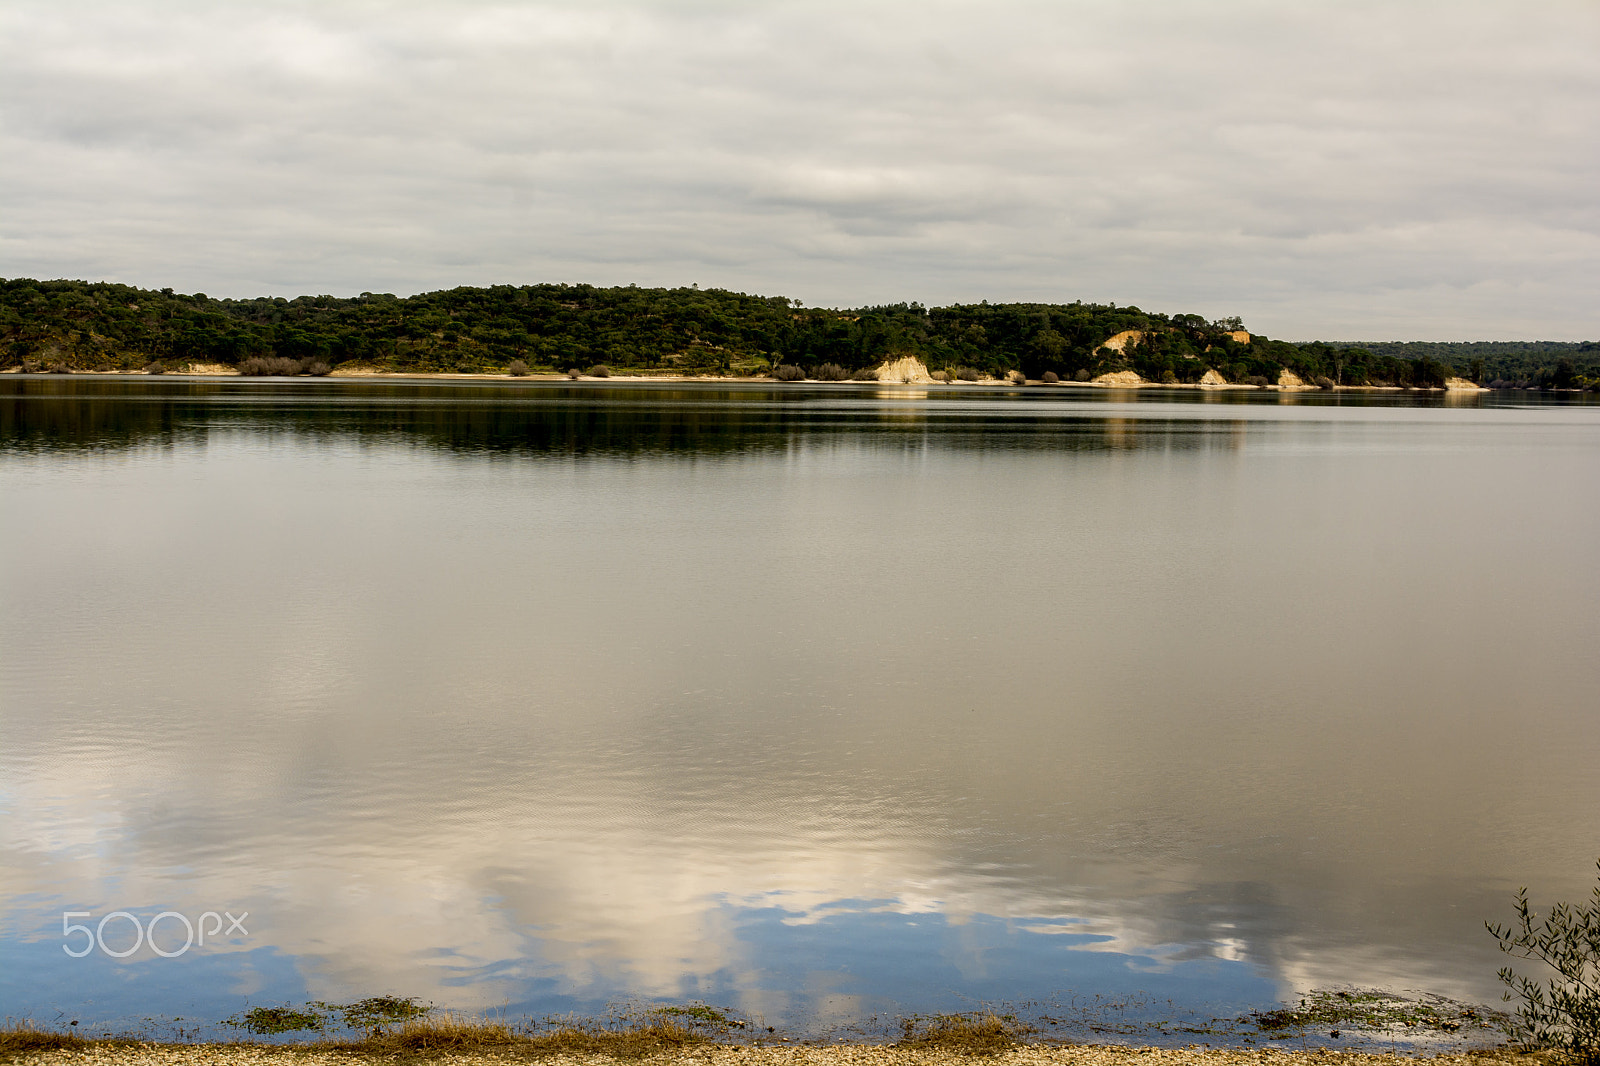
<point x="212" y="371"/>
<point x="141" y="1054"/>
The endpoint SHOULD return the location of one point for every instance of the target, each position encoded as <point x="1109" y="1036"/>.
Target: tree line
<point x="80" y="325"/>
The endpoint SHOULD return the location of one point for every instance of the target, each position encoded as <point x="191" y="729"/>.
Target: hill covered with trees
<point x="79" y="325"/>
<point x="1531" y="364"/>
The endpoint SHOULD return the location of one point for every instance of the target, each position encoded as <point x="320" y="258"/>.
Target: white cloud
<point x="1324" y="169"/>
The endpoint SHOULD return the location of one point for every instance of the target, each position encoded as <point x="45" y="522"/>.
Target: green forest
<point x="67" y="326"/>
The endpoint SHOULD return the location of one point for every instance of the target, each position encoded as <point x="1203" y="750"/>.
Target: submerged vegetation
<point x="1372" y="1010"/>
<point x="393" y="1025"/>
<point x="374" y="1013"/>
<point x="389" y="1026"/>
<point x="461" y="1033"/>
<point x="79" y="325"/>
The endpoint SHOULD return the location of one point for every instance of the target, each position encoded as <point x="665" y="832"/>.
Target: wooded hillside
<point x="95" y="325"/>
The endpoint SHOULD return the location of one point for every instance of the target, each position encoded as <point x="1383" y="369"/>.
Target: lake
<point x="826" y="704"/>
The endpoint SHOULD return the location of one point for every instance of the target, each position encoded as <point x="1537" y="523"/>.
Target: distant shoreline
<point x="364" y="374"/>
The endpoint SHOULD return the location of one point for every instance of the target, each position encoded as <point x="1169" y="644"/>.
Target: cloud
<point x="1352" y="169"/>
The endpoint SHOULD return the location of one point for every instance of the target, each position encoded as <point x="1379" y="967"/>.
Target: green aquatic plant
<point x="378" y="1012"/>
<point x="274" y="1021"/>
<point x="374" y="1014"/>
<point x="704" y="1015"/>
<point x="699" y="1012"/>
<point x="1562" y="1012"/>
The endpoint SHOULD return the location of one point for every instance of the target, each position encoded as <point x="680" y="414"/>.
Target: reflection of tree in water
<point x="99" y="413"/>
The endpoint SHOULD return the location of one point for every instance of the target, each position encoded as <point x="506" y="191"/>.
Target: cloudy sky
<point x="1350" y="169"/>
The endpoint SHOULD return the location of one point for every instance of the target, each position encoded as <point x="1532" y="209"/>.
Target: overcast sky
<point x="1346" y="169"/>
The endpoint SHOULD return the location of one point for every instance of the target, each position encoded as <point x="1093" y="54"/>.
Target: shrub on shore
<point x="788" y="372"/>
<point x="517" y="368"/>
<point x="865" y="374"/>
<point x="282" y="366"/>
<point x="599" y="370"/>
<point x="1049" y="377"/>
<point x="830" y="372"/>
<point x="1564" y="1011"/>
<point x="155" y="367"/>
<point x="966" y="373"/>
<point x="268" y="366"/>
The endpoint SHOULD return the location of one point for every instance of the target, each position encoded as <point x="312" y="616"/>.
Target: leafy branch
<point x="1563" y="1011"/>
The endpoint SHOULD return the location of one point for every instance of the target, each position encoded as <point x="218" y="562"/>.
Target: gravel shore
<point x="801" y="1055"/>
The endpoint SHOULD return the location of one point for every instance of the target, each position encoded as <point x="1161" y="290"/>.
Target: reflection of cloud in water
<point x="501" y="893"/>
<point x="472" y="894"/>
<point x="656" y="727"/>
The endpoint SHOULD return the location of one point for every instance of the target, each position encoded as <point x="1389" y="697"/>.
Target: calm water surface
<point x="813" y="702"/>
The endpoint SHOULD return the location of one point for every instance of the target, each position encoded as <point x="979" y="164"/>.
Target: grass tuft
<point x="23" y="1037"/>
<point x="965" y="1034"/>
<point x="636" y="1041"/>
<point x="444" y="1033"/>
